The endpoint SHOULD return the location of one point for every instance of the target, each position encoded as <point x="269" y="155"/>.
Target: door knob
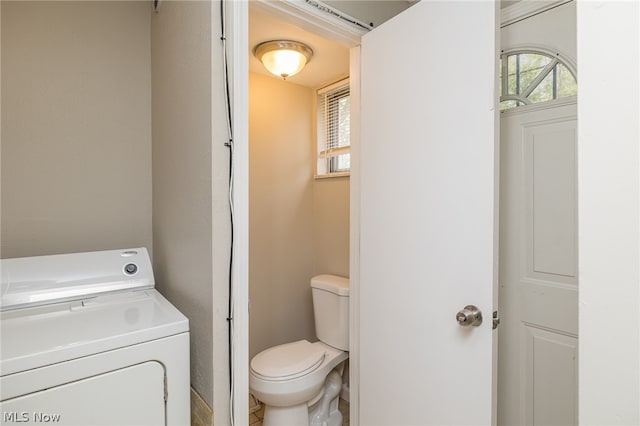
<point x="470" y="315"/>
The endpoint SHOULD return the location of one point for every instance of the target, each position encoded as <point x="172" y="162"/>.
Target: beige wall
<point x="298" y="226"/>
<point x="331" y="226"/>
<point x="76" y="127"/>
<point x="182" y="174"/>
<point x="280" y="218"/>
<point x="84" y="86"/>
<point x="77" y="150"/>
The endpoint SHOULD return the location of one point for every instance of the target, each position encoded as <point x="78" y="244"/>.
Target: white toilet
<point x="300" y="382"/>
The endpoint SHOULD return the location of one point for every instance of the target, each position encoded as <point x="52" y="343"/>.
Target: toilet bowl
<point x="300" y="382"/>
<point x="290" y="378"/>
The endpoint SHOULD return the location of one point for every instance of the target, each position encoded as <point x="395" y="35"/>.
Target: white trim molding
<point x="240" y="197"/>
<point x="333" y="28"/>
<point x="316" y="17"/>
<point x="354" y="241"/>
<point x="525" y="9"/>
<point x="540" y="106"/>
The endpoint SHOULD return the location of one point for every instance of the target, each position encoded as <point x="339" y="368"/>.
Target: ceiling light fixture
<point x="283" y="58"/>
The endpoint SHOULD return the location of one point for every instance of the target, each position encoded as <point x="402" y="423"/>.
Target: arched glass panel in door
<point x="529" y="77"/>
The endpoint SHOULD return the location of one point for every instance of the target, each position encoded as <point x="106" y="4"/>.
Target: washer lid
<point x="44" y="280"/>
<point x="45" y="335"/>
<point x="288" y="361"/>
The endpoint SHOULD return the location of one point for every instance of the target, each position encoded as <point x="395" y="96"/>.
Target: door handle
<point x="469" y="316"/>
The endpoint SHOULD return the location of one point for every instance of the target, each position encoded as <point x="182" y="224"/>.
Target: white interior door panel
<point x="538" y="268"/>
<point x="427" y="215"/>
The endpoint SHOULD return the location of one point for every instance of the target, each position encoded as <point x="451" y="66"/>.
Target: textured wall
<point x="331" y="226"/>
<point x="182" y="184"/>
<point x="76" y="127"/>
<point x="280" y="219"/>
<point x="609" y="208"/>
<point x="299" y="227"/>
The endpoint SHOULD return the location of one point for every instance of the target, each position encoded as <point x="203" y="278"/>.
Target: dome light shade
<point x="283" y="58"/>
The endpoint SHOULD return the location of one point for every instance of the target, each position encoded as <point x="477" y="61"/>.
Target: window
<point x="530" y="77"/>
<point x="334" y="117"/>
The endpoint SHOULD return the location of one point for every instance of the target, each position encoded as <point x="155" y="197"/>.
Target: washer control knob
<point x="130" y="268"/>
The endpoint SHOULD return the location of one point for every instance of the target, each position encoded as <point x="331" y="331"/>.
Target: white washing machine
<point x="87" y="340"/>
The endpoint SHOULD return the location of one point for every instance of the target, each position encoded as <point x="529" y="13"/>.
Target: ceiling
<point x="330" y="60"/>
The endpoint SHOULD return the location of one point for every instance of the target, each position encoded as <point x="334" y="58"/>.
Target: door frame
<point x="238" y="17"/>
<point x="334" y="29"/>
<point x="591" y="17"/>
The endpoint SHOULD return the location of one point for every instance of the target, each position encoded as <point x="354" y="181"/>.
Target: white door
<point x="538" y="375"/>
<point x="428" y="203"/>
<point x="538" y="349"/>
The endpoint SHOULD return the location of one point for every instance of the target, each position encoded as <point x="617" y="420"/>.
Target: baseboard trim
<point x="201" y="414"/>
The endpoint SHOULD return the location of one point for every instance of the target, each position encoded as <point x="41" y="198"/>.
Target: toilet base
<point x="298" y="415"/>
<point x="335" y="419"/>
<point x="326" y="412"/>
<point x="323" y="412"/>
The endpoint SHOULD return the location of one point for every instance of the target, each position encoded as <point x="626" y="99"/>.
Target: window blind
<point x="334" y="128"/>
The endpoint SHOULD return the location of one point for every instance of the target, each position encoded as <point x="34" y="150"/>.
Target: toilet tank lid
<point x="333" y="283"/>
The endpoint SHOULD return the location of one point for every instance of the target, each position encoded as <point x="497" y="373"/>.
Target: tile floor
<point x="256" y="412"/>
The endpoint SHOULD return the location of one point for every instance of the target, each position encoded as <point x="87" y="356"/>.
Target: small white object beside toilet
<point x="300" y="382"/>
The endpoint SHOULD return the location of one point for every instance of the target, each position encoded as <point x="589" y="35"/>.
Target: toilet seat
<point x="288" y="361"/>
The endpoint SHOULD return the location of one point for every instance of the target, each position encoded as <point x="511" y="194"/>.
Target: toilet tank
<point x="331" y="309"/>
